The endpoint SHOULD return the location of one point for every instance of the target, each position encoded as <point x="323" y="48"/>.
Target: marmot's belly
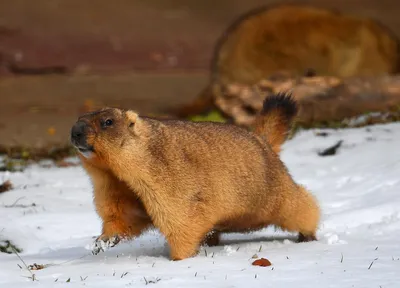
<point x="242" y="224"/>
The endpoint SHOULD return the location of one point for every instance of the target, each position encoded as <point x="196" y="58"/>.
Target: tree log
<point x="321" y="99"/>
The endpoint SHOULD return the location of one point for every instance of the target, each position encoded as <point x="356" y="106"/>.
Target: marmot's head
<point x="105" y="132"/>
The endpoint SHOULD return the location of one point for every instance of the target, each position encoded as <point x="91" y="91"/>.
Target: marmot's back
<point x="222" y="156"/>
<point x="216" y="157"/>
<point x="297" y="38"/>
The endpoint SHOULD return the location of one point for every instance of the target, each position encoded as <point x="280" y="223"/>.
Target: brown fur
<point x="297" y="38"/>
<point x="189" y="179"/>
<point x="276" y="118"/>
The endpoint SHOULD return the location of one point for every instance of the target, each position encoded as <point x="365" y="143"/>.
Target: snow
<point x="358" y="190"/>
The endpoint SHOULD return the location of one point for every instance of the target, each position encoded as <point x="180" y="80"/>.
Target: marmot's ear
<point x="132" y="119"/>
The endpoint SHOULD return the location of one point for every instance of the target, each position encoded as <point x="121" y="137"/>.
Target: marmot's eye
<point x="108" y="122"/>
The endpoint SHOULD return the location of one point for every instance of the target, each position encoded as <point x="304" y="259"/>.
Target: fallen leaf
<point x="51" y="131"/>
<point x="35" y="266"/>
<point x="88" y="106"/>
<point x="6" y="186"/>
<point x="331" y="150"/>
<point x="262" y="262"/>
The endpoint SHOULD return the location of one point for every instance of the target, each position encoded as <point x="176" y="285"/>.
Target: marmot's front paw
<point x="104" y="243"/>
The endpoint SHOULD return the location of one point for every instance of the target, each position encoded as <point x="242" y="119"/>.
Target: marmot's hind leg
<point x="299" y="212"/>
<point x="306" y="238"/>
<point x="212" y="239"/>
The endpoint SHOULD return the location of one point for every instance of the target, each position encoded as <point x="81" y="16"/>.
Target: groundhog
<point x="297" y="38"/>
<point x="300" y="40"/>
<point x="192" y="180"/>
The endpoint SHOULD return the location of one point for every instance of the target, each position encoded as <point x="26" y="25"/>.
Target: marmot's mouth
<point x="86" y="152"/>
<point x="81" y="149"/>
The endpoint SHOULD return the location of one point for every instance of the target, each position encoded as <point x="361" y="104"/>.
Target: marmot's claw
<point x="103" y="243"/>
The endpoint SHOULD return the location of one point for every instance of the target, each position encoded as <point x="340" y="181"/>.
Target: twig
<point x="62" y="263"/>
<point x="124" y="274"/>
<point x="370" y="265"/>
<point x="15" y="203"/>
<point x="23" y="262"/>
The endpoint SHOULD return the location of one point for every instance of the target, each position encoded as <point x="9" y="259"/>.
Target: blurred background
<point x="201" y="60"/>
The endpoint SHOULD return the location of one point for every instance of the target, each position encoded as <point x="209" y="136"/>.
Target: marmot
<point x="298" y="40"/>
<point x="191" y="178"/>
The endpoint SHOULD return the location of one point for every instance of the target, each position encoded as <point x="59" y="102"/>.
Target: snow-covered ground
<point x="358" y="189"/>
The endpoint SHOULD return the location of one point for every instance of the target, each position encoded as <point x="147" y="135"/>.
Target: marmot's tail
<point x="275" y="119"/>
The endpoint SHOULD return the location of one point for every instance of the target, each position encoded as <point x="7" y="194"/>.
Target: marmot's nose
<point x="78" y="130"/>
